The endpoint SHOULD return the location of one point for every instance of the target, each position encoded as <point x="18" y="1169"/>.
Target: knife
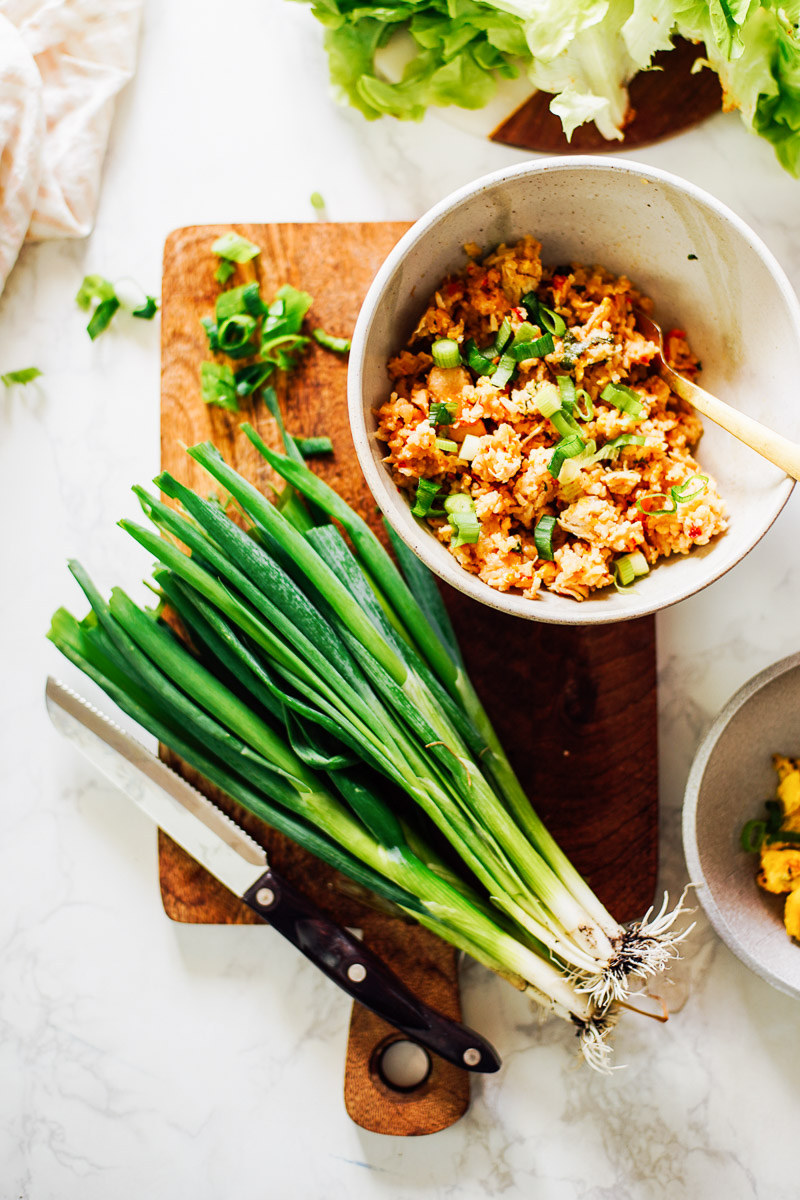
<point x="220" y="845"/>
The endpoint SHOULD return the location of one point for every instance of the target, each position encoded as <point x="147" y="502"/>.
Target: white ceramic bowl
<point x="730" y="778"/>
<point x="733" y="299"/>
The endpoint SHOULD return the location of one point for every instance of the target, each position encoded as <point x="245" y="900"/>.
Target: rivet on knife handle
<point x="360" y="973"/>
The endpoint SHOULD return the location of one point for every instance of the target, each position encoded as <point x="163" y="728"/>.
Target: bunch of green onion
<point x="324" y="691"/>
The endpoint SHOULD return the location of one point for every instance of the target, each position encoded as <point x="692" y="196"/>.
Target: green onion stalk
<point x="324" y="691"/>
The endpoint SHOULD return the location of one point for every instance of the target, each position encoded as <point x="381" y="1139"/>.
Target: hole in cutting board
<point x="404" y="1066"/>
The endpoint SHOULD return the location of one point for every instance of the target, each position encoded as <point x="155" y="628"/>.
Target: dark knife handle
<point x="364" y="976"/>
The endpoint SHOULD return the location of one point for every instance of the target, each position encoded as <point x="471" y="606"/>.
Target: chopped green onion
<point x="234" y="335"/>
<point x="317" y="201"/>
<point x="446" y="353"/>
<point x="427" y="491"/>
<point x="337" y="344"/>
<point x="218" y="386"/>
<point x="446" y="445"/>
<point x="311" y="446"/>
<point x="479" y="362"/>
<point x="543" y="537"/>
<point x="548" y="400"/>
<point x="543" y="316"/>
<point x="627" y="568"/>
<point x="462" y="518"/>
<point x="244" y="299"/>
<point x="538" y="349"/>
<point x="623" y="398"/>
<point x="662" y="510"/>
<point x="94" y="289"/>
<point x="24" y="375"/>
<point x="458" y="502"/>
<point x="470" y="447"/>
<point x="686" y="493"/>
<point x="101" y="317"/>
<point x="442" y="412"/>
<point x="584" y="409"/>
<point x="224" y="271"/>
<point x="752" y="836"/>
<point x="568" y="447"/>
<point x="612" y="448"/>
<point x="212" y="333"/>
<point x="250" y="378"/>
<point x="505" y="369"/>
<point x="564" y="423"/>
<point x="235" y="248"/>
<point x="146" y="311"/>
<point x="501" y="339"/>
<point x="566" y="388"/>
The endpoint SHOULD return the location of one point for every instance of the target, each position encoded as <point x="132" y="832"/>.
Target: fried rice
<point x="603" y="510"/>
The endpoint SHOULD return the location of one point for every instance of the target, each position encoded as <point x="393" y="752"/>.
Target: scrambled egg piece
<point x="779" y="842"/>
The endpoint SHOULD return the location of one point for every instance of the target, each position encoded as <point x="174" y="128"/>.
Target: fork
<point x="770" y="445"/>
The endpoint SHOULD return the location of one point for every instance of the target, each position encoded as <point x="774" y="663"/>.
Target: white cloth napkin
<point x="62" y="62"/>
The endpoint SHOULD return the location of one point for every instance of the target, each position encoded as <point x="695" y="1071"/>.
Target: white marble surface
<point x="140" y="1058"/>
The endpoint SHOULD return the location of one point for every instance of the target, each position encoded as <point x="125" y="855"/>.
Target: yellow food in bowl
<point x="545" y="450"/>
<point x="777" y="839"/>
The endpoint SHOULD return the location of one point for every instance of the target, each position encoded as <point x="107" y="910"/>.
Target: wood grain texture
<point x="663" y="102"/>
<point x="576" y="708"/>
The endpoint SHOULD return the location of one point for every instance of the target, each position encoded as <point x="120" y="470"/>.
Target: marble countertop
<point x="141" y="1058"/>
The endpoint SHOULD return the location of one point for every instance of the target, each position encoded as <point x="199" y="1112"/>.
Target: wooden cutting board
<point x="576" y="708"/>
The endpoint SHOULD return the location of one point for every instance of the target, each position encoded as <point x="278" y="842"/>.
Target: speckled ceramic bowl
<point x="731" y="777"/>
<point x="706" y="271"/>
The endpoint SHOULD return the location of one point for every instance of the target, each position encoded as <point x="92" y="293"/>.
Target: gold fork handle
<point x="779" y="450"/>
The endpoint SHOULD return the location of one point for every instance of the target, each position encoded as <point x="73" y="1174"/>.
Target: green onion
<point x="446" y="445"/>
<point x="239" y="301"/>
<point x="24" y="375"/>
<point x="146" y="311"/>
<point x="564" y="423"/>
<point x="536" y="349"/>
<point x="224" y="271"/>
<point x="686" y="492"/>
<point x="212" y="333"/>
<point x="505" y="369"/>
<point x="445" y="353"/>
<point x="309" y="447"/>
<point x="566" y="388"/>
<point x="568" y="447"/>
<point x="234" y="335"/>
<point x="218" y="386"/>
<point x="427" y="491"/>
<point x="101" y="317"/>
<point x="501" y="339"/>
<point x="753" y="836"/>
<point x="442" y="412"/>
<point x="479" y="362"/>
<point x="584" y="409"/>
<point x="548" y="400"/>
<point x="235" y="248"/>
<point x="627" y="568"/>
<point x="250" y="378"/>
<point x="317" y="201"/>
<point x="94" y="290"/>
<point x="667" y="509"/>
<point x="623" y="398"/>
<point x="611" y="449"/>
<point x="546" y="318"/>
<point x="329" y="342"/>
<point x="463" y="519"/>
<point x="543" y="537"/>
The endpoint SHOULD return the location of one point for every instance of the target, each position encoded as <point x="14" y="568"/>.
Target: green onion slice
<point x="234" y="335"/>
<point x="310" y="446"/>
<point x="546" y="318"/>
<point x="584" y="409"/>
<point x="218" y="386"/>
<point x="627" y="568"/>
<point x="317" y="201"/>
<point x="442" y="412"/>
<point x="564" y="423"/>
<point x="690" y="490"/>
<point x="536" y="349"/>
<point x="501" y="339"/>
<point x="146" y="311"/>
<point x="24" y="375"/>
<point x="667" y="509"/>
<point x="752" y="836"/>
<point x="505" y="369"/>
<point x="612" y="448"/>
<point x="224" y="271"/>
<point x="446" y="445"/>
<point x="566" y="388"/>
<point x="212" y="333"/>
<point x="250" y="378"/>
<point x="543" y="537"/>
<point x="94" y="289"/>
<point x="235" y="248"/>
<point x="623" y="398"/>
<point x="337" y="344"/>
<point x="568" y="447"/>
<point x="101" y="317"/>
<point x="427" y="491"/>
<point x="446" y="353"/>
<point x="478" y="361"/>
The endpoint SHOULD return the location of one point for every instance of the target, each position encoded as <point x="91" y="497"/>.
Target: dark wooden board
<point x="576" y="708"/>
<point x="664" y="101"/>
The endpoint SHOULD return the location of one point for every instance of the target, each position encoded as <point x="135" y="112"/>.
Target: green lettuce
<point x="401" y="58"/>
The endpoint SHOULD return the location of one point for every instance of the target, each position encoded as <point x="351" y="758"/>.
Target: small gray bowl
<point x="730" y="778"/>
<point x="706" y="271"/>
